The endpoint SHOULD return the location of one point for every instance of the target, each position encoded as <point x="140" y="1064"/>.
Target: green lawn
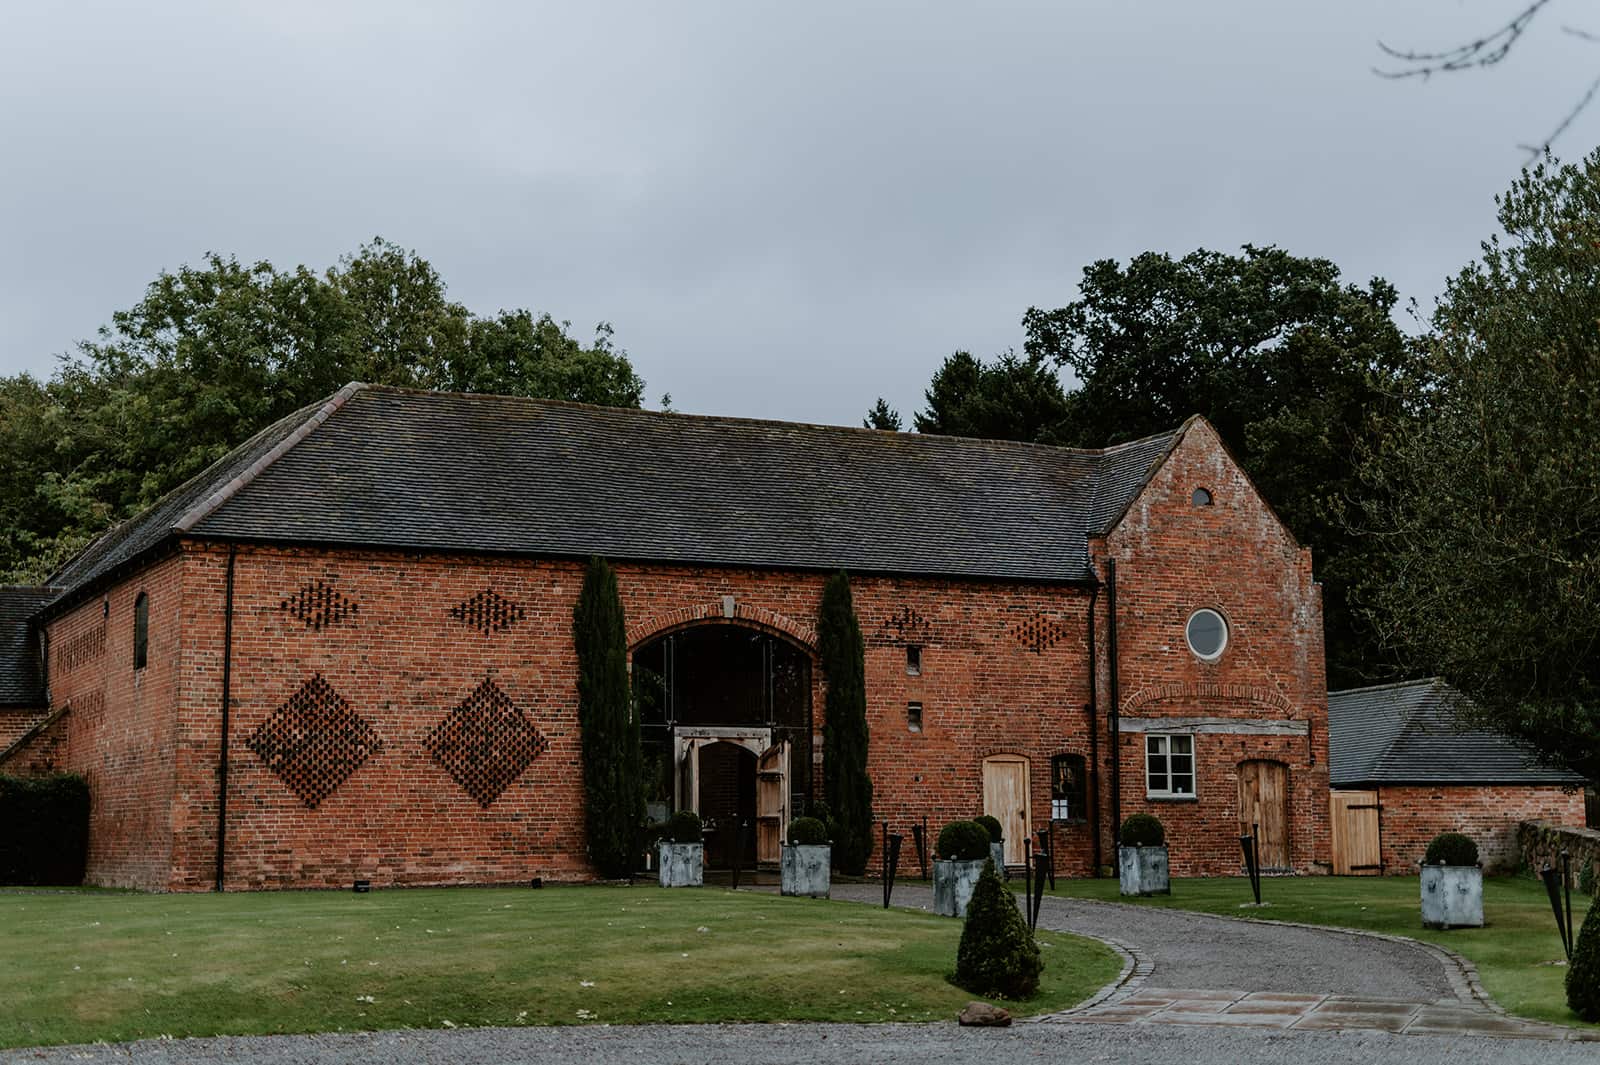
<point x="81" y="967"/>
<point x="1513" y="952"/>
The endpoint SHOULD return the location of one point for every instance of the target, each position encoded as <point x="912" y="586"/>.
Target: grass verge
<point x="83" y="967"/>
<point x="1516" y="953"/>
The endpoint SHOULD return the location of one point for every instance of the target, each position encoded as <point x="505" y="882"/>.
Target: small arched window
<point x="1069" y="788"/>
<point x="141" y="631"/>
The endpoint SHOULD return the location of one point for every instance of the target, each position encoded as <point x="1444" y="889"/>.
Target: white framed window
<point x="1169" y="766"/>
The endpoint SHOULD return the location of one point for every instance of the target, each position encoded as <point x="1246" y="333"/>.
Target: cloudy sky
<point x="784" y="209"/>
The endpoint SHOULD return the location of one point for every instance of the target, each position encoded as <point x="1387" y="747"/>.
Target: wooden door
<point x="1357" y="846"/>
<point x="1005" y="797"/>
<point x="1263" y="807"/>
<point x="772" y="807"/>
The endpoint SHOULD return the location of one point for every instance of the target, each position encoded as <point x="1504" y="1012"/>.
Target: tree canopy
<point x="213" y="353"/>
<point x="1484" y="491"/>
<point x="1286" y="360"/>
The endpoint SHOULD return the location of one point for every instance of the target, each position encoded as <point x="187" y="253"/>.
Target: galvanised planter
<point x="681" y="864"/>
<point x="807" y="869"/>
<point x="1143" y="870"/>
<point x="997" y="851"/>
<point x="1452" y="896"/>
<point x="953" y="884"/>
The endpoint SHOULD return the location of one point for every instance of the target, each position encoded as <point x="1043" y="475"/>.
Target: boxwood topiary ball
<point x="997" y="833"/>
<point x="807" y="832"/>
<point x="1143" y="830"/>
<point x="963" y="841"/>
<point x="1451" y="848"/>
<point x="684" y="827"/>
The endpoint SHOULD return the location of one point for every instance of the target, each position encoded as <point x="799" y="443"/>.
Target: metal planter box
<point x="953" y="884"/>
<point x="681" y="864"/>
<point x="1452" y="896"/>
<point x="997" y="851"/>
<point x="1143" y="870"/>
<point x="807" y="869"/>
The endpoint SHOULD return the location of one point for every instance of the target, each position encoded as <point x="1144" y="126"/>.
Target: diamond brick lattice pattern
<point x="315" y="741"/>
<point x="486" y="743"/>
<point x="319" y="606"/>
<point x="488" y="611"/>
<point x="1040" y="633"/>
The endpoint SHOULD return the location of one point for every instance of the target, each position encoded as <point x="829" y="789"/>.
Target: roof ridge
<point x="207" y="506"/>
<point x="1419" y="682"/>
<point x="733" y="419"/>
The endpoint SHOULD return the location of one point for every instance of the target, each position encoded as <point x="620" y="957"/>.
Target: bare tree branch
<point x="1536" y="150"/>
<point x="1484" y="52"/>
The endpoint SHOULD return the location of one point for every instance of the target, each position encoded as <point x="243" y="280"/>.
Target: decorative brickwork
<point x="488" y="611"/>
<point x="315" y="741"/>
<point x="485" y="743"/>
<point x="905" y="626"/>
<point x="319" y="606"/>
<point x="82" y="649"/>
<point x="1039" y="634"/>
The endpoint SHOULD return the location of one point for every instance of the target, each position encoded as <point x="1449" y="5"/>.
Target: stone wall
<point x="1541" y="842"/>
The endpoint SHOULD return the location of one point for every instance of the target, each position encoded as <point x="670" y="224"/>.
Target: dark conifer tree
<point x="846" y="785"/>
<point x="614" y="798"/>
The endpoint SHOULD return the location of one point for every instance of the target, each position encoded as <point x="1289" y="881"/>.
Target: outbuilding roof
<point x="1409" y="733"/>
<point x="386" y="467"/>
<point x="21" y="678"/>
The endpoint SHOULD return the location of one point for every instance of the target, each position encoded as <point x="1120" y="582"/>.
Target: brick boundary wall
<point x="1488" y="813"/>
<point x="1539" y="842"/>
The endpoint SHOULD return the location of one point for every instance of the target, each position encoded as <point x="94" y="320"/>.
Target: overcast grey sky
<point x="784" y="209"/>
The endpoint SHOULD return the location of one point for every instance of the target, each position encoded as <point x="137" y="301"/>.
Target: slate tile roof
<point x="21" y="680"/>
<point x="1407" y="733"/>
<point x="386" y="467"/>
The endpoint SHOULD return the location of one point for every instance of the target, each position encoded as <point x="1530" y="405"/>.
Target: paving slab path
<point x="1194" y="969"/>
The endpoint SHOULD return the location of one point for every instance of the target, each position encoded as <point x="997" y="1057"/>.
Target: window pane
<point x="1182" y="784"/>
<point x="1182" y="744"/>
<point x="1158" y="765"/>
<point x="1154" y="744"/>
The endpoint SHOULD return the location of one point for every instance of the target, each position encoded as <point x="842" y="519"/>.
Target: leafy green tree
<point x="846" y="785"/>
<point x="213" y="353"/>
<point x="1011" y="398"/>
<point x="612" y="758"/>
<point x="1285" y="360"/>
<point x="1485" y="492"/>
<point x="883" y="416"/>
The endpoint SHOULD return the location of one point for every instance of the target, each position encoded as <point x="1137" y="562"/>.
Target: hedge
<point x="44" y="829"/>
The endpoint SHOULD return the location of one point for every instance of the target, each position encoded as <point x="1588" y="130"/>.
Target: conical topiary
<point x="998" y="957"/>
<point x="1583" y="973"/>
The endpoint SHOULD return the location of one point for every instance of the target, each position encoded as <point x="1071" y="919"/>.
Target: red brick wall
<point x="402" y="661"/>
<point x="14" y="723"/>
<point x="1411" y="816"/>
<point x="119" y="732"/>
<point x="1234" y="557"/>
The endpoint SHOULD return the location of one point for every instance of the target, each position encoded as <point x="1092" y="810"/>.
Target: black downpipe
<point x="1094" y="735"/>
<point x="227" y="694"/>
<point x="1112" y="713"/>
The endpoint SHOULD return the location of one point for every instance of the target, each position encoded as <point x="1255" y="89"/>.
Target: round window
<point x="1208" y="634"/>
<point x="1201" y="498"/>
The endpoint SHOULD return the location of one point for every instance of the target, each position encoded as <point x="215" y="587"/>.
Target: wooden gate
<point x="1357" y="845"/>
<point x="1263" y="808"/>
<point x="1005" y="797"/>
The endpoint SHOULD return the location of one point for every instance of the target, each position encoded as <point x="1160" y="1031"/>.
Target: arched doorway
<point x="725" y="721"/>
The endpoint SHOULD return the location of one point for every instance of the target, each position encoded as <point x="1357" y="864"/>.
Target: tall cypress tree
<point x="613" y="794"/>
<point x="846" y="785"/>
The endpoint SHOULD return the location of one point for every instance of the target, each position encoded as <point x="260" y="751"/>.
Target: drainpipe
<point x="1094" y="735"/>
<point x="1113" y="714"/>
<point x="227" y="692"/>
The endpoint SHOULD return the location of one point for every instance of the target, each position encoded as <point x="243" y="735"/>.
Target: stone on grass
<point x="983" y="1015"/>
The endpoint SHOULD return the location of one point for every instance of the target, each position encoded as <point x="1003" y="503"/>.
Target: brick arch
<point x="1244" y="692"/>
<point x="744" y="614"/>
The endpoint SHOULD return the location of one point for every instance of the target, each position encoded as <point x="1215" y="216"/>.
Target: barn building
<point x="345" y="649"/>
<point x="1404" y="769"/>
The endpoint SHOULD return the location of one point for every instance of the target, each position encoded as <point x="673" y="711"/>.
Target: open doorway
<point x="725" y="721"/>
